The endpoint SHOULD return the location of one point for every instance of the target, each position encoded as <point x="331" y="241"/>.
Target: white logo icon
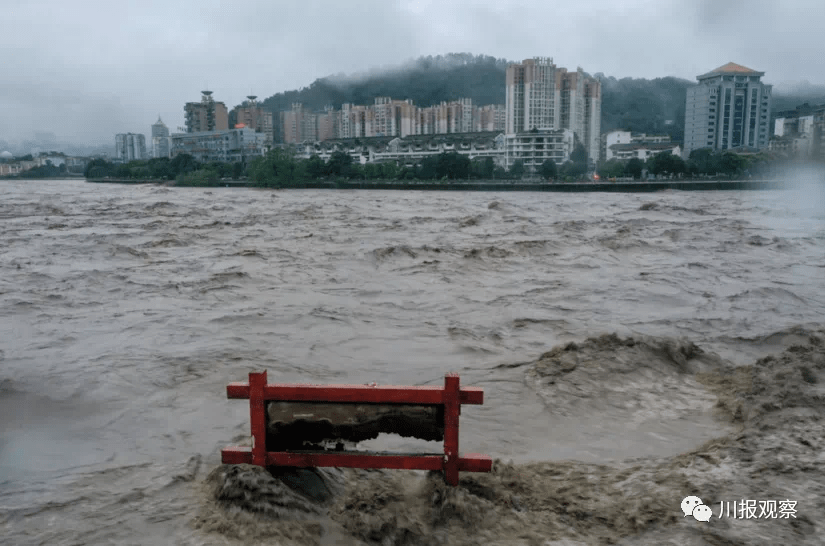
<point x="693" y="506"/>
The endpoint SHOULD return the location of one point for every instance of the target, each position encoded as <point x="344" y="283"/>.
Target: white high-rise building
<point x="541" y="96"/>
<point x="729" y="108"/>
<point x="161" y="146"/>
<point x="130" y="147"/>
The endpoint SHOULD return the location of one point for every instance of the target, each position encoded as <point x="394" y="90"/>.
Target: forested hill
<point x="427" y="81"/>
<point x="644" y="106"/>
<point x="639" y="105"/>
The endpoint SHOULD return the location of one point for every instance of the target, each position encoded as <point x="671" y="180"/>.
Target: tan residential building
<point x="492" y="117"/>
<point x="206" y="115"/>
<point x="390" y="118"/>
<point x="351" y="121"/>
<point x="327" y="124"/>
<point x="251" y="114"/>
<point x="354" y="121"/>
<point x="300" y="125"/>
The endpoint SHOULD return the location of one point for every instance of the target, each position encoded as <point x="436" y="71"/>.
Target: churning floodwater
<point x="125" y="311"/>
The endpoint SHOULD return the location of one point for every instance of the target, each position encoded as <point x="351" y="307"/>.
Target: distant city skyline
<point x="86" y="72"/>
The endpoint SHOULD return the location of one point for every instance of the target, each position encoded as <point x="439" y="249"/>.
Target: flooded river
<point x="125" y="311"/>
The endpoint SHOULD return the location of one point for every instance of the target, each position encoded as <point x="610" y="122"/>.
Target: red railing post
<point x="257" y="417"/>
<point x="451" y="409"/>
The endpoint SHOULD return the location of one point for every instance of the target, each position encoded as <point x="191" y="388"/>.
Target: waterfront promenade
<point x="498" y="185"/>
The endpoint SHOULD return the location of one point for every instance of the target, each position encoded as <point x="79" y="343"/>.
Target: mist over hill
<point x="427" y="81"/>
<point x="644" y="106"/>
<point x="790" y="96"/>
<point x="635" y="104"/>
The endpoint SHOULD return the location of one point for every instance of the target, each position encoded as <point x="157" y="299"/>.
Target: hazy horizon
<point x="79" y="76"/>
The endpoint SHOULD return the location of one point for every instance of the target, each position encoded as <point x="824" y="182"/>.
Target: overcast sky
<point x="83" y="71"/>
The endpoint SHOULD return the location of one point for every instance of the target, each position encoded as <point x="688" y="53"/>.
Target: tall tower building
<point x="160" y="139"/>
<point x="592" y="122"/>
<point x="541" y="96"/>
<point x="729" y="108"/>
<point x="130" y="146"/>
<point x="251" y="115"/>
<point x="300" y="125"/>
<point x="206" y="115"/>
<point x="531" y="95"/>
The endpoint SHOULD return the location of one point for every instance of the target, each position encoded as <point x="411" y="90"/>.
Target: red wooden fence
<point x="451" y="396"/>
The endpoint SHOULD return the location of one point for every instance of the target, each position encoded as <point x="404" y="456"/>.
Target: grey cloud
<point x="86" y="71"/>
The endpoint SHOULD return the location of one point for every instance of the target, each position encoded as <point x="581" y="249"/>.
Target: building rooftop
<point x="643" y="146"/>
<point x="731" y="68"/>
<point x="801" y="110"/>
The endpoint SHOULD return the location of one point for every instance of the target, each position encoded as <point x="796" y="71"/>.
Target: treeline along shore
<point x="280" y="168"/>
<point x="494" y="185"/>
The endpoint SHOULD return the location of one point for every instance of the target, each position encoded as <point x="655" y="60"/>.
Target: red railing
<point x="451" y="396"/>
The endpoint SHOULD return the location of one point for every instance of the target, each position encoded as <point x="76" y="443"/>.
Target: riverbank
<point x="130" y="181"/>
<point x="497" y="185"/>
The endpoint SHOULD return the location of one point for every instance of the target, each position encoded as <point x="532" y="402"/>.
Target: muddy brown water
<point x="125" y="311"/>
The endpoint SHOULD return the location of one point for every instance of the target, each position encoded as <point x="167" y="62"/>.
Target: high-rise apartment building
<point x="130" y="147"/>
<point x="531" y="99"/>
<point x="327" y="124"/>
<point x="541" y="96"/>
<point x="251" y="114"/>
<point x="492" y="117"/>
<point x="352" y="121"/>
<point x="206" y="115"/>
<point x="729" y="108"/>
<point x="300" y="125"/>
<point x="390" y="118"/>
<point x="161" y="146"/>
